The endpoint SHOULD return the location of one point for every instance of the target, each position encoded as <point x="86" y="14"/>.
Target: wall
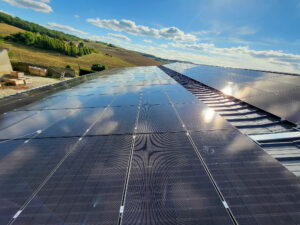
<point x="52" y="70"/>
<point x="5" y="66"/>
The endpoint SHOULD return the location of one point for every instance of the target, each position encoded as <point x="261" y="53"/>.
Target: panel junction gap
<point x="123" y="201"/>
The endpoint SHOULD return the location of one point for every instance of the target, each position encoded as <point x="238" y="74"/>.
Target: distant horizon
<point x="230" y="33"/>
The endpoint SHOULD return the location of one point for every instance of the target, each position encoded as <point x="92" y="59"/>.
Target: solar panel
<point x="272" y="92"/>
<point x="23" y="167"/>
<point x="136" y="148"/>
<point x="168" y="184"/>
<point x="87" y="187"/>
<point x="257" y="188"/>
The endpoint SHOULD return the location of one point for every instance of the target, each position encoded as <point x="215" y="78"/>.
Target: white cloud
<point x="37" y="5"/>
<point x="119" y="36"/>
<point x="220" y="31"/>
<point x="65" y="28"/>
<point x="6" y="12"/>
<point x="163" y="46"/>
<point x="130" y="27"/>
<point x="238" y="57"/>
<point x="105" y="39"/>
<point x="148" y="41"/>
<point x="245" y="30"/>
<point x="76" y="16"/>
<point x="203" y="47"/>
<point x="271" y="56"/>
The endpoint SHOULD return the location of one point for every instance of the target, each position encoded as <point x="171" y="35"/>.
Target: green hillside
<point x="109" y="55"/>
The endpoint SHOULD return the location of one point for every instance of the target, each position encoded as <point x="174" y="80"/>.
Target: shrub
<point x="46" y="42"/>
<point x="98" y="67"/>
<point x="11" y="54"/>
<point x="111" y="45"/>
<point x="68" y="66"/>
<point x="83" y="71"/>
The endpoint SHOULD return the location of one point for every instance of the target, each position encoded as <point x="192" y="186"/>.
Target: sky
<point x="253" y="34"/>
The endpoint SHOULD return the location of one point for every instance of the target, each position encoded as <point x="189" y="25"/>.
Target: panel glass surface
<point x="268" y="91"/>
<point x="168" y="185"/>
<point x="23" y="167"/>
<point x="257" y="188"/>
<point x="87" y="188"/>
<point x="78" y="176"/>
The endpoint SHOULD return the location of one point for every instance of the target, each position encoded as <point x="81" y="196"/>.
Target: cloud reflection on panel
<point x="115" y="120"/>
<point x="133" y="80"/>
<point x="106" y="125"/>
<point x="32" y="126"/>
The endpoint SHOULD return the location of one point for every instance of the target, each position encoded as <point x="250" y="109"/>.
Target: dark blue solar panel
<point x="72" y="158"/>
<point x="257" y="188"/>
<point x="168" y="184"/>
<point x="87" y="187"/>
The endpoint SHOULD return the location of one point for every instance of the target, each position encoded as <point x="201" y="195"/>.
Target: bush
<point x="83" y="71"/>
<point x="68" y="66"/>
<point x="98" y="67"/>
<point x="46" y="42"/>
<point x="11" y="54"/>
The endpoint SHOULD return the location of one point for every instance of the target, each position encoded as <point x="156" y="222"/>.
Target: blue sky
<point x="258" y="34"/>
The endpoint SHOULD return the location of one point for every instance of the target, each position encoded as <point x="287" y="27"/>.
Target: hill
<point x="162" y="60"/>
<point x="49" y="58"/>
<point x="35" y="28"/>
<point x="124" y="54"/>
<point x="6" y="29"/>
<point x="109" y="55"/>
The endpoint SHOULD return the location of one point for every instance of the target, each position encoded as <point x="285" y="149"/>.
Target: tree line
<point x="35" y="28"/>
<point x="43" y="41"/>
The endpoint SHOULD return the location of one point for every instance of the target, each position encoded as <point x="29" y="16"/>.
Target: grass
<point x="112" y="57"/>
<point x="49" y="58"/>
<point x="124" y="54"/>
<point x="6" y="29"/>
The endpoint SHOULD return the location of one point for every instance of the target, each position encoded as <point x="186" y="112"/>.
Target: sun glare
<point x="208" y="115"/>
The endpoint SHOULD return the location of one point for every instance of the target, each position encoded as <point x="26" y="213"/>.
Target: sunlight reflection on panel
<point x="228" y="89"/>
<point x="208" y="115"/>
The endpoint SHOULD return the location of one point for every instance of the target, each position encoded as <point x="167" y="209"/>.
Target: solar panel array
<point x="136" y="148"/>
<point x="276" y="93"/>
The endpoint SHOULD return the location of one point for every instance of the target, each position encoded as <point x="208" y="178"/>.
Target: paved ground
<point x="36" y="82"/>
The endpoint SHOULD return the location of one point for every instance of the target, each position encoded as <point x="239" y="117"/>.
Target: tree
<point x="98" y="67"/>
<point x="45" y="42"/>
<point x="80" y="45"/>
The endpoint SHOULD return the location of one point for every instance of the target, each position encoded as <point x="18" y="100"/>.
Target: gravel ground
<point x="36" y="82"/>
